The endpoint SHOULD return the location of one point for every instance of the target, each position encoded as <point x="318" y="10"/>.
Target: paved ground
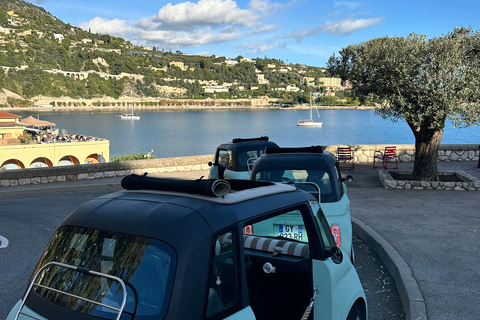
<point x="436" y="234"/>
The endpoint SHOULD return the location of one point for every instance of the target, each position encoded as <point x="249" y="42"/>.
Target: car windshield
<point x="246" y="159"/>
<point x="145" y="264"/>
<point x="309" y="180"/>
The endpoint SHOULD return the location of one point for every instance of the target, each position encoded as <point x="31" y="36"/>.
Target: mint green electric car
<point x="192" y="250"/>
<point x="317" y="172"/>
<point x="233" y="160"/>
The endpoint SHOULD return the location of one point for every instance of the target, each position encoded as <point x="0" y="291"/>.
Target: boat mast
<point x="131" y="99"/>
<point x="311" y="107"/>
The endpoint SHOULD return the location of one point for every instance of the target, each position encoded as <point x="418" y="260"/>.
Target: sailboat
<point x="130" y="116"/>
<point x="310" y="122"/>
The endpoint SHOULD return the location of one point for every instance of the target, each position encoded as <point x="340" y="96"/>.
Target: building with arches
<point x="17" y="155"/>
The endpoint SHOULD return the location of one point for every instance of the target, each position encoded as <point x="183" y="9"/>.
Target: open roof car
<point x="318" y="173"/>
<point x="178" y="249"/>
<point x="233" y="160"/>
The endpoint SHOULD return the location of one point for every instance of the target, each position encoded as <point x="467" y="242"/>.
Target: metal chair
<point x="346" y="158"/>
<point x="388" y="156"/>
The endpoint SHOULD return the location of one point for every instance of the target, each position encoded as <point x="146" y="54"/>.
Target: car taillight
<point x="335" y="228"/>
<point x="248" y="230"/>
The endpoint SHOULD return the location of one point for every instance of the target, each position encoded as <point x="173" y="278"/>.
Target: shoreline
<point x="179" y="107"/>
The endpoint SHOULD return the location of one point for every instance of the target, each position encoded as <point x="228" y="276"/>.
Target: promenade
<point x="429" y="239"/>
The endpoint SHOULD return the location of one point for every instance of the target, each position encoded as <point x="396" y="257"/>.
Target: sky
<point x="295" y="31"/>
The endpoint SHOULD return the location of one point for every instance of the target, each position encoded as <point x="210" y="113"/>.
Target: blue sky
<point x="295" y="31"/>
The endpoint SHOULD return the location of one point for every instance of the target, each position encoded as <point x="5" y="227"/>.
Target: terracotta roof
<point x="8" y="115"/>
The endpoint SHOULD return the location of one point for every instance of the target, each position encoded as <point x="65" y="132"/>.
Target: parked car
<point x="233" y="160"/>
<point x="318" y="173"/>
<point x="176" y="249"/>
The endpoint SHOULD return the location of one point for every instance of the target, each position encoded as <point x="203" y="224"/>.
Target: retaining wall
<point x="363" y="154"/>
<point x="406" y="152"/>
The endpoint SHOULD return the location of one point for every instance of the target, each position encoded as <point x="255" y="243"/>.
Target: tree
<point x="422" y="81"/>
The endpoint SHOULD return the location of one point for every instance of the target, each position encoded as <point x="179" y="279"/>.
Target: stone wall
<point x="406" y="152"/>
<point x="467" y="182"/>
<point x="363" y="154"/>
<point x="102" y="170"/>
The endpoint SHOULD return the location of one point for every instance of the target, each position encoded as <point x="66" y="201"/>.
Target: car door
<point x="288" y="256"/>
<point x="334" y="277"/>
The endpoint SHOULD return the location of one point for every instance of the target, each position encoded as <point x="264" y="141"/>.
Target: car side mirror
<point x="210" y="163"/>
<point x="336" y="254"/>
<point x="348" y="179"/>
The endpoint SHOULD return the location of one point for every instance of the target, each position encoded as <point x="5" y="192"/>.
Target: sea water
<point x="198" y="132"/>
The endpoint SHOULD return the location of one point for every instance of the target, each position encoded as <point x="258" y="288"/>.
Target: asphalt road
<point x="28" y="221"/>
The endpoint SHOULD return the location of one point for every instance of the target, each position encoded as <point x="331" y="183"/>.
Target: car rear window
<point x="145" y="264"/>
<point x="308" y="180"/>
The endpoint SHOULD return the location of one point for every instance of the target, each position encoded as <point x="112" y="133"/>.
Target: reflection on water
<point x="185" y="133"/>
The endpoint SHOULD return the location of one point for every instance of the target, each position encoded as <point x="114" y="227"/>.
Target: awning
<point x="32" y="129"/>
<point x="31" y="121"/>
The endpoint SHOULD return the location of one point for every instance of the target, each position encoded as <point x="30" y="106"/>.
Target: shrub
<point x="25" y="137"/>
<point x="134" y="156"/>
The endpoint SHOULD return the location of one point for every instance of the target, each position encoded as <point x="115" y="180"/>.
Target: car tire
<point x="357" y="312"/>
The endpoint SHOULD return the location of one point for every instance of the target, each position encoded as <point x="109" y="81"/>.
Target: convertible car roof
<point x="165" y="215"/>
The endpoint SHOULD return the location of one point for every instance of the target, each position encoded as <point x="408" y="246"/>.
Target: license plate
<point x="290" y="231"/>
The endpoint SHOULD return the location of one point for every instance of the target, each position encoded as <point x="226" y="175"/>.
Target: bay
<point x="198" y="132"/>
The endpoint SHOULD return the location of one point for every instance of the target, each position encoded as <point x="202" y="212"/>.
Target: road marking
<point x="3" y="242"/>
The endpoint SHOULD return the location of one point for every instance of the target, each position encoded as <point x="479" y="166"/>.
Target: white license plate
<point x="290" y="231"/>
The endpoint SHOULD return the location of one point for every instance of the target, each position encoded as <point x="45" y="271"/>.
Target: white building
<point x="59" y="37"/>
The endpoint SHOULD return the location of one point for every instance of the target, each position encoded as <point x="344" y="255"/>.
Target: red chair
<point x="388" y="156"/>
<point x="346" y="158"/>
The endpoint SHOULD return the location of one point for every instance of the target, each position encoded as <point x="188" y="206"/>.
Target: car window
<point x="222" y="157"/>
<point x="288" y="225"/>
<point x="223" y="296"/>
<point x="327" y="237"/>
<point x="308" y="180"/>
<point x="245" y="159"/>
<point x="145" y="264"/>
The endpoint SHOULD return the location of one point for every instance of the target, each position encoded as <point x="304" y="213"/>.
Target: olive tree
<point x="421" y="81"/>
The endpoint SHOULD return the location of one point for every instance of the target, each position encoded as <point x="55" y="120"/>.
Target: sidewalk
<point x="428" y="239"/>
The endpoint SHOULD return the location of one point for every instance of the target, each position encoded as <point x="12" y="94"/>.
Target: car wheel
<point x="357" y="312"/>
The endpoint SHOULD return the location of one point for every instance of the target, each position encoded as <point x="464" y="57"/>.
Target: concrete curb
<point x="410" y="294"/>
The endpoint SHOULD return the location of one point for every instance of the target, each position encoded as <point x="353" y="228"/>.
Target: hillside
<point x="42" y="56"/>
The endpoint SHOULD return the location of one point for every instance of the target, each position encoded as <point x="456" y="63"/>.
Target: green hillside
<point x="41" y="55"/>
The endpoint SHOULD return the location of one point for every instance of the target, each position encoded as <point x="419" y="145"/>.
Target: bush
<point x="25" y="137"/>
<point x="134" y="156"/>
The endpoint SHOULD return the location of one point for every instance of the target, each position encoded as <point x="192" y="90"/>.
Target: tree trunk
<point x="427" y="143"/>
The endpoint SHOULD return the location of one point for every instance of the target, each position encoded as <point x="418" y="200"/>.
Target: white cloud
<point x="266" y="8"/>
<point x="260" y="47"/>
<point x="349" y="26"/>
<point x="343" y="27"/>
<point x="194" y="23"/>
<point x="115" y="27"/>
<point x="184" y="39"/>
<point x="184" y="16"/>
<point x="348" y="4"/>
<point x="266" y="28"/>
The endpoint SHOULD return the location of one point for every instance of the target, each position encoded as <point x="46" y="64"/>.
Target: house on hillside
<point x="178" y="64"/>
<point x="59" y="37"/>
